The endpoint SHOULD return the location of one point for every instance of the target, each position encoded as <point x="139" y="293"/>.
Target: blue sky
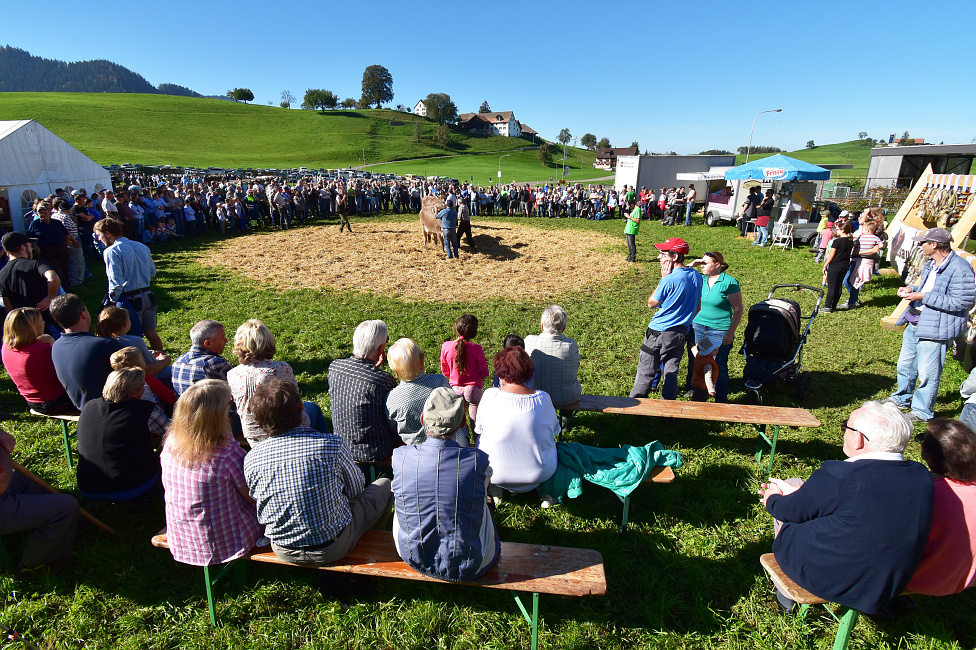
<point x="671" y="75"/>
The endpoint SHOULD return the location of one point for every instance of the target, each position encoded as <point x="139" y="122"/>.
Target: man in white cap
<point x="937" y="314"/>
<point x="676" y="300"/>
<point x="442" y="524"/>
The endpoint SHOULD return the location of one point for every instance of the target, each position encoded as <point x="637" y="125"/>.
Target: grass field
<point x="686" y="575"/>
<point x="520" y="166"/>
<point x="161" y="129"/>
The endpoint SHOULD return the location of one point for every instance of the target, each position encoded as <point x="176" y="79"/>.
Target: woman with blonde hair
<point x="26" y="355"/>
<point x="116" y="459"/>
<point x="254" y="345"/>
<point x="405" y="402"/>
<point x="210" y="517"/>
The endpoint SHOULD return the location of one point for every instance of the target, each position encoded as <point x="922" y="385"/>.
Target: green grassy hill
<point x="855" y="152"/>
<point x="201" y="132"/>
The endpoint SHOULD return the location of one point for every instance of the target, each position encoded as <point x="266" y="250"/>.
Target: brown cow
<point x="430" y="225"/>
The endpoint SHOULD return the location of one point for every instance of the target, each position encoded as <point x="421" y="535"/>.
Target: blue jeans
<point x="850" y="287"/>
<point x="968" y="415"/>
<point x="722" y="359"/>
<point x="450" y="242"/>
<point x="921" y="361"/>
<point x="688" y="211"/>
<point x="315" y="415"/>
<point x="762" y="235"/>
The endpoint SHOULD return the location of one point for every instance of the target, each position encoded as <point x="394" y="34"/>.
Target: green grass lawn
<point x="855" y="152"/>
<point x="520" y="166"/>
<point x="686" y="575"/>
<point x="161" y="129"/>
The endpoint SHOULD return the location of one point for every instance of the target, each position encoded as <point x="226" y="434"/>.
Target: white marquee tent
<point x="35" y="162"/>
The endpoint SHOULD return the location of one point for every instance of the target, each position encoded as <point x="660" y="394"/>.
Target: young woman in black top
<point x="837" y="262"/>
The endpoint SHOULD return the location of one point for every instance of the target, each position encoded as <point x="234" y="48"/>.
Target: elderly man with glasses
<point x="938" y="313"/>
<point x="854" y="531"/>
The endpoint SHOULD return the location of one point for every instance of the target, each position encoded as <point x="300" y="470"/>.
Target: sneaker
<point x="547" y="501"/>
<point x="826" y="310"/>
<point x="842" y="305"/>
<point x="891" y="400"/>
<point x="915" y="418"/>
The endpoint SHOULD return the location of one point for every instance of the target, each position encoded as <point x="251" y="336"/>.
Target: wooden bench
<point x="846" y="617"/>
<point x="760" y="416"/>
<point x="65" y="434"/>
<point x="526" y="568"/>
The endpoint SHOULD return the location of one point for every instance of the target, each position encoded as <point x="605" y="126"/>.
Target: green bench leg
<point x="533" y="619"/>
<point x="5" y="560"/>
<point x="67" y="441"/>
<point x="765" y="440"/>
<point x="845" y="627"/>
<point x="210" y="583"/>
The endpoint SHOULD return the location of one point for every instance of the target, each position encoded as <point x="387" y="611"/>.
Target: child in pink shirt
<point x="464" y="364"/>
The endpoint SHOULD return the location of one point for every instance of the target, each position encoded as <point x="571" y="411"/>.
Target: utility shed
<point x="35" y="162"/>
<point x="903" y="166"/>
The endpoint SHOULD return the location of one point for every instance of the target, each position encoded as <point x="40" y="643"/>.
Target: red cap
<point x="675" y="245"/>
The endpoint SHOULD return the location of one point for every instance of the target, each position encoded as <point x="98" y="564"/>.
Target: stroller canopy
<point x="778" y="168"/>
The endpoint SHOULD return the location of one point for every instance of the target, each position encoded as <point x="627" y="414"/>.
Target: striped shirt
<point x="405" y="403"/>
<point x="302" y="481"/>
<point x="357" y="393"/>
<point x="207" y="519"/>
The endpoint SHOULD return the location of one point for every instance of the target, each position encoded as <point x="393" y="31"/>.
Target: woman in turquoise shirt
<point x="718" y="316"/>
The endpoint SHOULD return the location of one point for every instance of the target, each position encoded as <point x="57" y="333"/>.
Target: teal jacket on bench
<point x="619" y="469"/>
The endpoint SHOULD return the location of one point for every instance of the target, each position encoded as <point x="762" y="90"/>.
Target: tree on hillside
<point x="442" y="135"/>
<point x="564" y="136"/>
<point x="589" y="141"/>
<point x="810" y="144"/>
<point x="440" y="108"/>
<point x="348" y="102"/>
<point x="417" y="131"/>
<point x="604" y="143"/>
<point x="862" y="135"/>
<point x="715" y="152"/>
<point x="377" y="86"/>
<point x="545" y="154"/>
<point x="759" y="149"/>
<point x="904" y="136"/>
<point x="319" y="99"/>
<point x="241" y="95"/>
<point x="634" y="145"/>
<point x="484" y="108"/>
<point x="286" y="99"/>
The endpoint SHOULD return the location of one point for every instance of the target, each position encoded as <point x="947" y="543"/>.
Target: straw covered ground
<point x="391" y="259"/>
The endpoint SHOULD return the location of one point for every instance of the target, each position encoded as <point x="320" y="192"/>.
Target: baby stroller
<point x="774" y="343"/>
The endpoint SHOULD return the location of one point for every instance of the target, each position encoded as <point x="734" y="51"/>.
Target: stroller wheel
<point x="753" y="397"/>
<point x="802" y="386"/>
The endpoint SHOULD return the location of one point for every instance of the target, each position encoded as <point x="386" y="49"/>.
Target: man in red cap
<point x="676" y="300"/>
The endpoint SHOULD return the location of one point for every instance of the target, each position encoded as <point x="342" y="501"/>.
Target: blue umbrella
<point x="778" y="168"/>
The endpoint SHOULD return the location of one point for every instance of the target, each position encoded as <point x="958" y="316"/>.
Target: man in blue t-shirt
<point x="676" y="301"/>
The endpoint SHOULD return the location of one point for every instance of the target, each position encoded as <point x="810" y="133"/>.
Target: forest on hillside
<point x="22" y="72"/>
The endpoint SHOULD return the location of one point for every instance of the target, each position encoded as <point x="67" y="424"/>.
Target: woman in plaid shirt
<point x="210" y="517"/>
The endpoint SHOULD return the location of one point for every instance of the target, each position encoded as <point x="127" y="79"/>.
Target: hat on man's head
<point x="937" y="235"/>
<point x="443" y="412"/>
<point x="675" y="245"/>
<point x="13" y="240"/>
<point x="77" y="192"/>
<point x="845" y="213"/>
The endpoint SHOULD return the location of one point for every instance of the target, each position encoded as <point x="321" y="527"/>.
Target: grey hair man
<point x="556" y="358"/>
<point x="358" y="389"/>
<point x="829" y="527"/>
<point x="202" y="360"/>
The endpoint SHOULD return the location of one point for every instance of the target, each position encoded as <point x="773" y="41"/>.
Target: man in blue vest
<point x="442" y="525"/>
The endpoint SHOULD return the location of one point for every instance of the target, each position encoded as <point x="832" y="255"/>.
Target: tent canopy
<point x="778" y="168"/>
<point x="33" y="159"/>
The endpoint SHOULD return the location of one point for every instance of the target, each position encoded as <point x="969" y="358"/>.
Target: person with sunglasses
<point x="854" y="531"/>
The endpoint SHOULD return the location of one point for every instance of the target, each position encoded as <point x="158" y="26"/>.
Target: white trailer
<point x="655" y="172"/>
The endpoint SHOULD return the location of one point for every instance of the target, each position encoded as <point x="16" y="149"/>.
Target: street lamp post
<point x="749" y="148"/>
<point x="500" y="167"/>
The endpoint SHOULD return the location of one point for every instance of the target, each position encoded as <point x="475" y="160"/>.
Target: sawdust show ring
<point x="390" y="258"/>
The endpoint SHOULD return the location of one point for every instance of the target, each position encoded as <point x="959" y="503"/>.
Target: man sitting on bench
<point x="443" y="527"/>
<point x="309" y="492"/>
<point x="854" y="532"/>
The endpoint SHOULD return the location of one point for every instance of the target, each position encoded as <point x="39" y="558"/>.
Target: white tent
<point x="35" y="162"/>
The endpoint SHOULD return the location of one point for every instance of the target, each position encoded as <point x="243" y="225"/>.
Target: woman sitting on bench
<point x="27" y="358"/>
<point x="948" y="565"/>
<point x="210" y="517"/>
